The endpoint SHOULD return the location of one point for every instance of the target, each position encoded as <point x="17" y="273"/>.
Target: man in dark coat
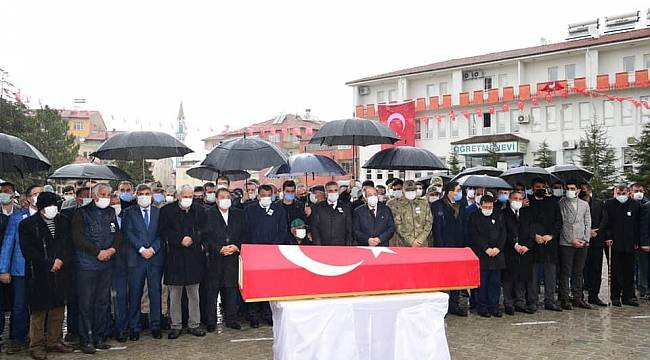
<point x="182" y="237"/>
<point x="373" y="223"/>
<point x="449" y="230"/>
<point x="294" y="208"/>
<point x="331" y="220"/>
<point x="224" y="235"/>
<point x="594" y="265"/>
<point x="518" y="276"/>
<point x="545" y="226"/>
<point x="622" y="235"/>
<point x="488" y="235"/>
<point x="43" y="240"/>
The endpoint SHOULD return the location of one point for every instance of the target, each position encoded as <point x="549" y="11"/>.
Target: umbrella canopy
<point x="301" y="164"/>
<point x="141" y="145"/>
<point x="570" y="172"/>
<point x="358" y="132"/>
<point x="479" y="170"/>
<point x="526" y="174"/>
<point x="405" y="158"/>
<point x="207" y="173"/>
<point x="17" y="155"/>
<point x="244" y="154"/>
<point x="90" y="171"/>
<point x="484" y="181"/>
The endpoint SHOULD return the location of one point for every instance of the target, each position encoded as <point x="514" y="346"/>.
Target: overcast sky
<point x="241" y="62"/>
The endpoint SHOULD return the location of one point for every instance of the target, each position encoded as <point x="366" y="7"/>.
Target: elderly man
<point x="372" y="224"/>
<point x="96" y="236"/>
<point x="413" y="218"/>
<point x="182" y="236"/>
<point x="574" y="239"/>
<point x="331" y="220"/>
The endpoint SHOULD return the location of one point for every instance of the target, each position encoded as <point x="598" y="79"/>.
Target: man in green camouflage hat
<point x="412" y="218"/>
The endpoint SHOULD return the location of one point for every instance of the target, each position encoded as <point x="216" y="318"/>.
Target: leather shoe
<point x="497" y="313"/>
<point x="156" y="334"/>
<point x="121" y="338"/>
<point x="233" y="325"/>
<point x="458" y="312"/>
<point x="509" y="310"/>
<point x="60" y="348"/>
<point x="197" y="332"/>
<point x="38" y="354"/>
<point x="88" y="349"/>
<point x="552" y="307"/>
<point x="566" y="305"/>
<point x="211" y="328"/>
<point x="616" y="302"/>
<point x="631" y="302"/>
<point x="580" y="303"/>
<point x="597" y="301"/>
<point x="134" y="336"/>
<point x="173" y="334"/>
<point x="255" y="324"/>
<point x="484" y="314"/>
<point x="102" y="346"/>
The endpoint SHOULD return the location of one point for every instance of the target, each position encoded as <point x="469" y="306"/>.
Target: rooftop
<point x="282" y="121"/>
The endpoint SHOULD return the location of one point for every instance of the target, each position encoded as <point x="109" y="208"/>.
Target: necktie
<point x="373" y="212"/>
<point x="517" y="213"/>
<point x="146" y="217"/>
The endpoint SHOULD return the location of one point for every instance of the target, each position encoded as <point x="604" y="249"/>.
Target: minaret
<point x="180" y="129"/>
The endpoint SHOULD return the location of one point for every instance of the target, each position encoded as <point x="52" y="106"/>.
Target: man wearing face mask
<point x="125" y="189"/>
<point x="574" y="240"/>
<point x="158" y="196"/>
<point x="449" y="230"/>
<point x="68" y="194"/>
<point x="43" y="239"/>
<point x="373" y="223"/>
<point x="557" y="191"/>
<point x="546" y="225"/>
<point x="292" y="206"/>
<point x="381" y="193"/>
<point x="224" y="235"/>
<point x="7" y="204"/>
<point x="640" y="256"/>
<point x="622" y="234"/>
<point x="12" y="270"/>
<point x="251" y="193"/>
<point x="433" y="194"/>
<point x="397" y="193"/>
<point x="358" y="194"/>
<point x="96" y="237"/>
<point x="299" y="233"/>
<point x="595" y="250"/>
<point x="412" y="218"/>
<point x="199" y="195"/>
<point x="210" y="198"/>
<point x="502" y="199"/>
<point x="331" y="221"/>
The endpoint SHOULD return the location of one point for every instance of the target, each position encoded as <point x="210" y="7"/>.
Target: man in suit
<point x="594" y="264"/>
<point x="574" y="239"/>
<point x="331" y="220"/>
<point x="373" y="223"/>
<point x="224" y="235"/>
<point x="144" y="259"/>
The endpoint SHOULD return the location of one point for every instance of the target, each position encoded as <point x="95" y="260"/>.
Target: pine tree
<point x="641" y="156"/>
<point x="454" y="164"/>
<point x="545" y="157"/>
<point x="598" y="156"/>
<point x="493" y="156"/>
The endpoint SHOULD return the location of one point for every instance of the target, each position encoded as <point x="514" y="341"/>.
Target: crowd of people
<point x="113" y="263"/>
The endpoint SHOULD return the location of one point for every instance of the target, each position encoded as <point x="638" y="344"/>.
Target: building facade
<point x="89" y="130"/>
<point x="469" y="105"/>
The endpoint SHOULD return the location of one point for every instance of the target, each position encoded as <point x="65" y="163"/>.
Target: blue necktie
<point x="146" y="217"/>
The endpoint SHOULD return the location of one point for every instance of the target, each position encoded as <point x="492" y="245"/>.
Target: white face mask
<point x="50" y="212"/>
<point x="211" y="198"/>
<point x="558" y="192"/>
<point x="638" y="196"/>
<point x="68" y="197"/>
<point x="312" y="198"/>
<point x="432" y="199"/>
<point x="252" y="195"/>
<point x="186" y="203"/>
<point x="410" y="195"/>
<point x="333" y="197"/>
<point x="221" y="186"/>
<point x="224" y="204"/>
<point x="169" y="198"/>
<point x="471" y="193"/>
<point x="487" y="212"/>
<point x="382" y="198"/>
<point x="118" y="209"/>
<point x="516" y="205"/>
<point x="372" y="200"/>
<point x="86" y="201"/>
<point x="418" y="192"/>
<point x="301" y="233"/>
<point x="144" y="200"/>
<point x="397" y="194"/>
<point x="571" y="194"/>
<point x="103" y="203"/>
<point x="265" y="201"/>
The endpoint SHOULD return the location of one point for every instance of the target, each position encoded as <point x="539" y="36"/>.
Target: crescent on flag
<point x="295" y="255"/>
<point x="396" y="116"/>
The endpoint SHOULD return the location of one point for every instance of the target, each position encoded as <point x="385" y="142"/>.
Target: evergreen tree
<point x="598" y="156"/>
<point x="544" y="156"/>
<point x="134" y="169"/>
<point x="493" y="156"/>
<point x="641" y="156"/>
<point x="454" y="164"/>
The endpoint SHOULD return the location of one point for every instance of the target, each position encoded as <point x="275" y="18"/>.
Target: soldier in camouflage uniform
<point x="413" y="218"/>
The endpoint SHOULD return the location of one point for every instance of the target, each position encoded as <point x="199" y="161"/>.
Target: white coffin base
<point x="384" y="327"/>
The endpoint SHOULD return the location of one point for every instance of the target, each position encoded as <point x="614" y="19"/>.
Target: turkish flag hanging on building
<point x="401" y="119"/>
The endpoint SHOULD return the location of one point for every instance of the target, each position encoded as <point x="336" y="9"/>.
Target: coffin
<point x="292" y="272"/>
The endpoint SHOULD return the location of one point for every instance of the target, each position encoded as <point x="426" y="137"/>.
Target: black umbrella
<point x="203" y="172"/>
<point x="90" y="171"/>
<point x="570" y="172"/>
<point x="526" y="174"/>
<point x="426" y="181"/>
<point x="305" y="164"/>
<point x="405" y="158"/>
<point x="484" y="181"/>
<point x="479" y="170"/>
<point x="141" y="145"/>
<point x="244" y="154"/>
<point x="17" y="155"/>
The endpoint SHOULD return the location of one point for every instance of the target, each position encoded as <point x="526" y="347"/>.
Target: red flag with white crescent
<point x="401" y="119"/>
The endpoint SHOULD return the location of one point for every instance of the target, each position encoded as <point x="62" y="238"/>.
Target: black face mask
<point x="540" y="193"/>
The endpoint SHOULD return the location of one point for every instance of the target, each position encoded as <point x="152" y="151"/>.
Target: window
<point x="418" y="175"/>
<point x="472" y="125"/>
<point x="628" y="63"/>
<point x="536" y="115"/>
<point x="432" y="90"/>
<point x="487" y="83"/>
<point x="347" y="166"/>
<point x="443" y="88"/>
<point x="381" y="97"/>
<point x="552" y="73"/>
<point x="645" y="113"/>
<point x="570" y="71"/>
<point x="627" y="114"/>
<point x="646" y="61"/>
<point x="585" y="114"/>
<point x="402" y="175"/>
<point x="392" y="95"/>
<point x="567" y="116"/>
<point x="551" y="119"/>
<point x="514" y="121"/>
<point x="454" y="127"/>
<point x="442" y="128"/>
<point x="628" y="161"/>
<point x="487" y="124"/>
<point x="431" y="127"/>
<point x="503" y="80"/>
<point x="501" y="122"/>
<point x="417" y="129"/>
<point x="368" y="173"/>
<point x="274" y="138"/>
<point x="608" y="113"/>
<point x="78" y="125"/>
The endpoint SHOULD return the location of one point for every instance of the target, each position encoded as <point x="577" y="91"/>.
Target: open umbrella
<point x="426" y="181"/>
<point x="141" y="145"/>
<point x="90" y="171"/>
<point x="484" y="181"/>
<point x="570" y="172"/>
<point x="526" y="174"/>
<point x="17" y="155"/>
<point x="207" y="173"/>
<point x="305" y="164"/>
<point x="479" y="170"/>
<point x="244" y="154"/>
<point x="405" y="158"/>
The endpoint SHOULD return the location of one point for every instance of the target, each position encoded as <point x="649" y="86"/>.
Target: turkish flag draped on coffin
<point x="401" y="119"/>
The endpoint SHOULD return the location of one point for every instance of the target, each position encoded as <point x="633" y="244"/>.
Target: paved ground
<point x="616" y="333"/>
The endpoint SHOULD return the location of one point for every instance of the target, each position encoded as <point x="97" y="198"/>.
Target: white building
<point x="610" y="56"/>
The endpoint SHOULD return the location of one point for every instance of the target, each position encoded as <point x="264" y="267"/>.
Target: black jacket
<point x="519" y="267"/>
<point x="545" y="219"/>
<point x="183" y="265"/>
<point x="331" y="226"/>
<point x="223" y="270"/>
<point x="623" y="222"/>
<point x="366" y="226"/>
<point x="598" y="221"/>
<point x="45" y="289"/>
<point x="488" y="232"/>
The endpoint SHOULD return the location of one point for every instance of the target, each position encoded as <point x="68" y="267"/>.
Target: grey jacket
<point x="576" y="222"/>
